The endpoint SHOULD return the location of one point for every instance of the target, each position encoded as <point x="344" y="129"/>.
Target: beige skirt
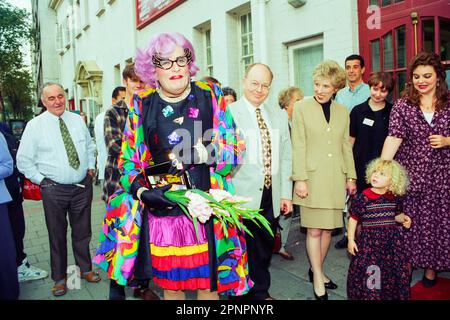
<point x="321" y="218"/>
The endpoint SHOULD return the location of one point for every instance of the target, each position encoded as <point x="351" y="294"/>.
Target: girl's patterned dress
<point x="379" y="271"/>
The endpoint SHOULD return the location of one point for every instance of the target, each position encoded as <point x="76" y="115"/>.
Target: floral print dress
<point x="427" y="200"/>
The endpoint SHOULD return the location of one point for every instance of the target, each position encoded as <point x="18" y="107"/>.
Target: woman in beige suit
<point x="323" y="167"/>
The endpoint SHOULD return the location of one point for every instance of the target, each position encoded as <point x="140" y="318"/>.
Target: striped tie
<point x="72" y="154"/>
<point x="266" y="148"/>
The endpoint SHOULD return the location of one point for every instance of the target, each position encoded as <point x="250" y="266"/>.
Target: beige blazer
<point x="248" y="177"/>
<point x="322" y="154"/>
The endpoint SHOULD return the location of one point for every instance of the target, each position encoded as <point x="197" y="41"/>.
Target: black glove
<point x="155" y="198"/>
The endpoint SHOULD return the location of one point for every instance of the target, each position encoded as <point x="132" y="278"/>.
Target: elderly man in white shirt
<point x="57" y="152"/>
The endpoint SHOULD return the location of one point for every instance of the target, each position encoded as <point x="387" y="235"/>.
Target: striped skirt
<point x="180" y="259"/>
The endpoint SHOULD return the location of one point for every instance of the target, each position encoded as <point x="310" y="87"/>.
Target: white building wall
<point x="112" y="37"/>
<point x="334" y="20"/>
<point x="110" y="41"/>
<point x="49" y="71"/>
<point x="107" y="38"/>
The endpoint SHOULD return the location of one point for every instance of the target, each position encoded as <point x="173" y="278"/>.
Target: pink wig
<point x="162" y="44"/>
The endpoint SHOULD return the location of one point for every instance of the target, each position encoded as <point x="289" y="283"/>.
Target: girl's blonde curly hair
<point x="398" y="177"/>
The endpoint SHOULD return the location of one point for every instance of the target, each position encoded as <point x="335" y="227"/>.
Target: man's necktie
<point x="72" y="154"/>
<point x="266" y="148"/>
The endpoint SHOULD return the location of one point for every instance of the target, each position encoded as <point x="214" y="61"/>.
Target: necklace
<point x="181" y="97"/>
<point x="426" y="106"/>
<point x="376" y="107"/>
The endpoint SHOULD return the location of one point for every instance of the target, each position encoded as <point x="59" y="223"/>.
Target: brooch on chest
<point x="179" y="120"/>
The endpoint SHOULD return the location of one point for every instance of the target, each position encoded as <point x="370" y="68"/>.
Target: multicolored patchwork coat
<point x="120" y="233"/>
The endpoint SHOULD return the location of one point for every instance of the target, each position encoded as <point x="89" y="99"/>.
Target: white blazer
<point x="248" y="177"/>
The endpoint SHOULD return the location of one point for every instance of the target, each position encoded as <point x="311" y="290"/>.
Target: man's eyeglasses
<point x="255" y="85"/>
<point x="166" y="64"/>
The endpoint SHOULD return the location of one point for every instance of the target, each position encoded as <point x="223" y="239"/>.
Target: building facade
<point x="394" y="31"/>
<point x="85" y="44"/>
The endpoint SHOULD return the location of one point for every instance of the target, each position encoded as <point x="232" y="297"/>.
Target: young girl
<point x="379" y="270"/>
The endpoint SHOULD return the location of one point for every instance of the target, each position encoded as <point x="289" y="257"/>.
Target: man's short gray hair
<point x="48" y="84"/>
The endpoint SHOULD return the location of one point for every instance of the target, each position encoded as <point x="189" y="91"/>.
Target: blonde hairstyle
<point x="397" y="174"/>
<point x="287" y="94"/>
<point x="330" y="70"/>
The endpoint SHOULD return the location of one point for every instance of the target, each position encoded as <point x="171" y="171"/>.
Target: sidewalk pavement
<point x="289" y="278"/>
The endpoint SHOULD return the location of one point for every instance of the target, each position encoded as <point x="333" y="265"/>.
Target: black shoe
<point x="328" y="285"/>
<point x="342" y="244"/>
<point x="428" y="283"/>
<point x="324" y="297"/>
<point x="336" y="232"/>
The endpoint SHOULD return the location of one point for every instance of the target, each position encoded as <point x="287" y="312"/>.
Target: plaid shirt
<point x="114" y="125"/>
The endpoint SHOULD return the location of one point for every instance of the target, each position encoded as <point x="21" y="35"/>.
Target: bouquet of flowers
<point x="199" y="205"/>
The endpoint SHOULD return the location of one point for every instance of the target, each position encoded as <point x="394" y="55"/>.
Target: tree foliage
<point x="16" y="85"/>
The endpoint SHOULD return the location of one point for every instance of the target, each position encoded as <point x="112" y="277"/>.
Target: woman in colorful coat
<point x="189" y="119"/>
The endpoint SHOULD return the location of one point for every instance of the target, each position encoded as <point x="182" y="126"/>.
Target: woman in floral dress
<point x="419" y="138"/>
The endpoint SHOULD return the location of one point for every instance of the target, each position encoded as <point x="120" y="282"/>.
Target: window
<point x="375" y="55"/>
<point x="246" y="40"/>
<point x="117" y="75"/>
<point x="100" y="8"/>
<point x="400" y="45"/>
<point x="388" y="57"/>
<point x="66" y="34"/>
<point x="85" y="19"/>
<point x="303" y="58"/>
<point x="392" y="50"/>
<point x="428" y="35"/>
<point x="90" y="108"/>
<point x="77" y="18"/>
<point x="60" y="38"/>
<point x="208" y="47"/>
<point x="444" y="32"/>
<point x="384" y="3"/>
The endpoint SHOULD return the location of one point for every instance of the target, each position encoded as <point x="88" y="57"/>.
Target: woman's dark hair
<point x="428" y="59"/>
<point x="227" y="91"/>
<point x="384" y="77"/>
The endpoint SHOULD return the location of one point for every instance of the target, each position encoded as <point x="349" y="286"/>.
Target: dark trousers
<point x="60" y="200"/>
<point x="9" y="282"/>
<point x="17" y="219"/>
<point x="259" y="250"/>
